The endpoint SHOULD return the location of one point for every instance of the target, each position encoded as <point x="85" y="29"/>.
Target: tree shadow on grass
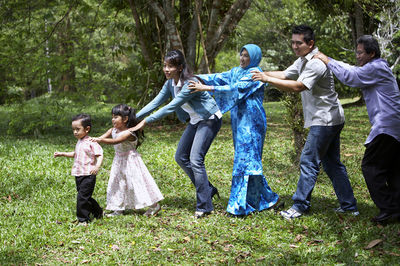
<point x="341" y="238"/>
<point x="15" y="257"/>
<point x="189" y="203"/>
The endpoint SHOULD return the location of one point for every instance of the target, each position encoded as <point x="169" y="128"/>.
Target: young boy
<point x="88" y="157"/>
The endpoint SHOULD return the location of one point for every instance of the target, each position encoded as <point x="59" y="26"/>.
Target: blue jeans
<point x="190" y="154"/>
<point x="323" y="146"/>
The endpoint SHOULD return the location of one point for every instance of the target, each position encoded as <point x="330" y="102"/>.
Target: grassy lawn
<point x="37" y="206"/>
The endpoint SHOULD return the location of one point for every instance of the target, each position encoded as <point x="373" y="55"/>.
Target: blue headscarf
<point x="254" y="53"/>
<point x="236" y="85"/>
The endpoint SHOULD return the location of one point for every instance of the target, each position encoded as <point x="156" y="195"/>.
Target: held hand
<point x="321" y="57"/>
<point x="138" y="126"/>
<point x="98" y="140"/>
<point x="197" y="86"/>
<point x="259" y="76"/>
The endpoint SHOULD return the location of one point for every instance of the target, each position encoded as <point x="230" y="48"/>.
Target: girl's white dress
<point x="130" y="186"/>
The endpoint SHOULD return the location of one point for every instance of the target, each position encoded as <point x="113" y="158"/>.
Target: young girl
<point x="130" y="186"/>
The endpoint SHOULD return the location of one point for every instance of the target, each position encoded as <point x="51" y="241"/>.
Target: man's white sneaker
<point x="291" y="214"/>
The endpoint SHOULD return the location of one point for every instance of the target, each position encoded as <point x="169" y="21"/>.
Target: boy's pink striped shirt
<point x="85" y="156"/>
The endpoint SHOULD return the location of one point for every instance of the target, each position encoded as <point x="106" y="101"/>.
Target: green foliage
<point x="47" y="114"/>
<point x="87" y="46"/>
<point x="37" y="206"/>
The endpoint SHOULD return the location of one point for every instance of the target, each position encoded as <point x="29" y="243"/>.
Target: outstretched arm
<point x="278" y="79"/>
<point x="102" y="137"/>
<point x="64" y="154"/>
<point x="138" y="126"/>
<point x="107" y="134"/>
<point x="125" y="135"/>
<point x="196" y="86"/>
<point x="105" y="138"/>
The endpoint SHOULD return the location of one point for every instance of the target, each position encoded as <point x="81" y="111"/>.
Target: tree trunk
<point x="66" y="51"/>
<point x="167" y="17"/>
<point x="139" y="31"/>
<point x="217" y="36"/>
<point x="190" y="43"/>
<point x="295" y="120"/>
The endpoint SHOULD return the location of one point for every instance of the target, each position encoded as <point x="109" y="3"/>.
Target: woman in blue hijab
<point x="235" y="91"/>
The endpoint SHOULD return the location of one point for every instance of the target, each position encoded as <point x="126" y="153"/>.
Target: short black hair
<point x="86" y="120"/>
<point x="371" y="45"/>
<point x="305" y="30"/>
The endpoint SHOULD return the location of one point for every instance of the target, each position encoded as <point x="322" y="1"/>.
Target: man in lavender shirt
<point x="381" y="162"/>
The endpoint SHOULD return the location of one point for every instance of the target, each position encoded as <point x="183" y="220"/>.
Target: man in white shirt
<point x="323" y="114"/>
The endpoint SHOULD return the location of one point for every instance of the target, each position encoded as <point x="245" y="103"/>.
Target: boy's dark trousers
<point x="85" y="204"/>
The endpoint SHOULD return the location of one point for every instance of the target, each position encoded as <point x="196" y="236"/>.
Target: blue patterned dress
<point x="235" y="91"/>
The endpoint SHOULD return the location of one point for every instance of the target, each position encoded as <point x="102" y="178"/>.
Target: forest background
<point x="59" y="58"/>
<point x="112" y="50"/>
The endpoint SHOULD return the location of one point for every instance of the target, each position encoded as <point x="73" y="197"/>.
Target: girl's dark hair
<point x="124" y="110"/>
<point x="371" y="45"/>
<point x="177" y="59"/>
<point x="86" y="121"/>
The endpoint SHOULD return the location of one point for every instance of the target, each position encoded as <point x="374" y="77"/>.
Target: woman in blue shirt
<point x="235" y="91"/>
<point x="204" y="117"/>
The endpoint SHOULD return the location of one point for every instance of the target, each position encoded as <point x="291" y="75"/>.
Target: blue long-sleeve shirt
<point x="380" y="90"/>
<point x="201" y="102"/>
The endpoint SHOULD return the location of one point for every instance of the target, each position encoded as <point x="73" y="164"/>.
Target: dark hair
<point x="370" y="45"/>
<point x="177" y="59"/>
<point x="86" y="121"/>
<point x="124" y="110"/>
<point x="306" y="31"/>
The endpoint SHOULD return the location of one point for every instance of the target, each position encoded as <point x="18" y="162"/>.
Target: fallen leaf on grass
<point x="298" y="238"/>
<point x="293" y="246"/>
<point x="315" y="241"/>
<point x="85" y="261"/>
<point x="373" y="243"/>
<point x="228" y="247"/>
<point x="348" y="154"/>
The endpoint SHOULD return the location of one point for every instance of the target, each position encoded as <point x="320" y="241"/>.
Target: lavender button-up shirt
<point x="380" y="90"/>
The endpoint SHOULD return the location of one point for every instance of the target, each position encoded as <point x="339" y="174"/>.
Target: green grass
<point x="37" y="207"/>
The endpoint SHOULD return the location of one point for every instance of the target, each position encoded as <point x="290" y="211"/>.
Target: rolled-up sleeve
<point x="313" y="71"/>
<point x="292" y="72"/>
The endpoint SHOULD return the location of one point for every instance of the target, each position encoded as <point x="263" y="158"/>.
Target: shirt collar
<point x="85" y="138"/>
<point x="310" y="55"/>
<point x="177" y="85"/>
